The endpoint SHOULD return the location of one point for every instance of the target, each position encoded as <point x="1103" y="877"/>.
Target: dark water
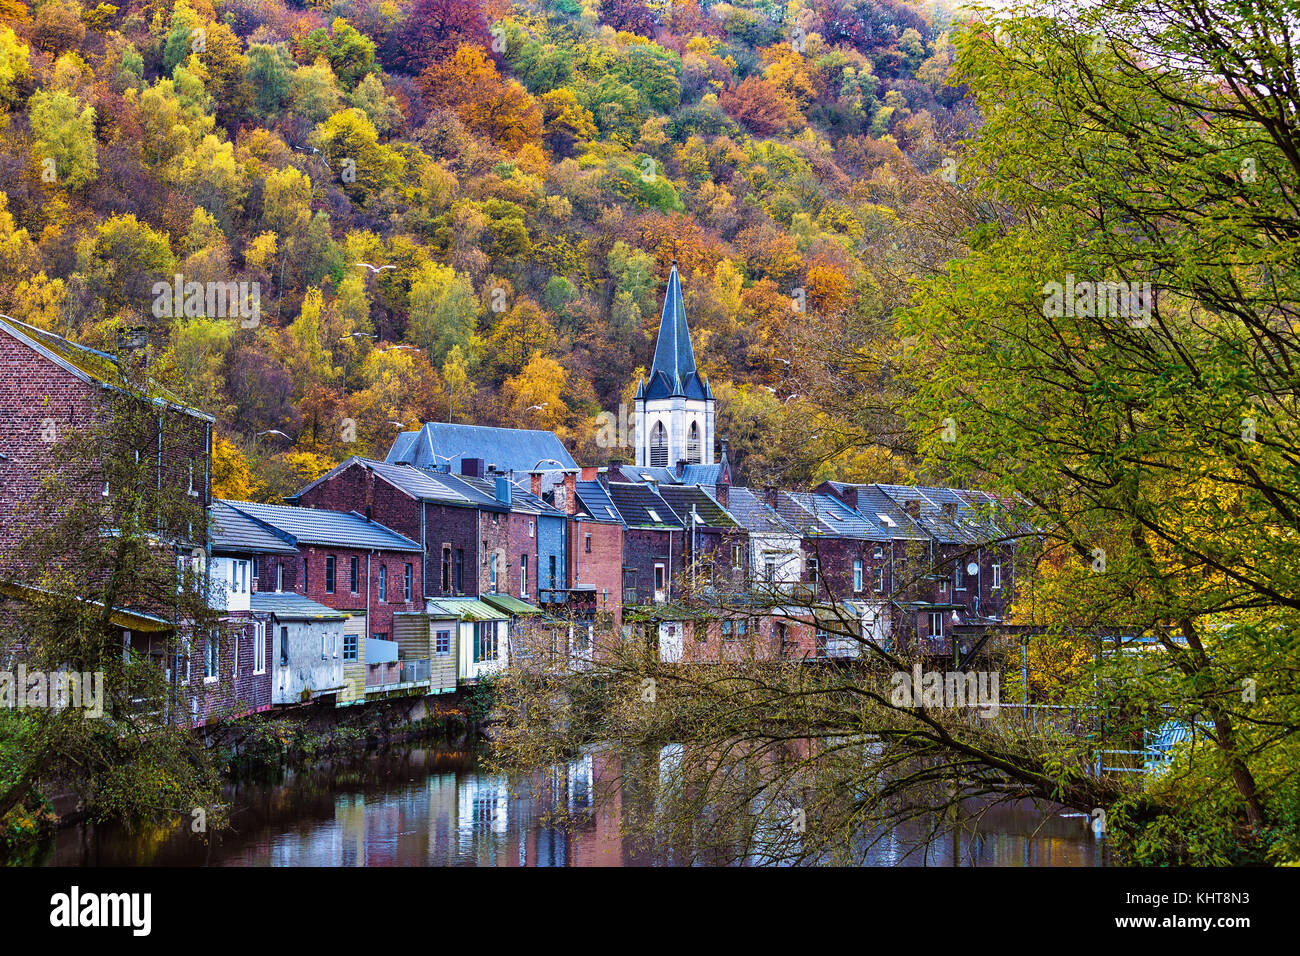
<point x="428" y="807"/>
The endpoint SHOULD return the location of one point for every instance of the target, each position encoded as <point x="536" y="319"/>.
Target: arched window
<point x="693" y="444"/>
<point x="659" y="446"/>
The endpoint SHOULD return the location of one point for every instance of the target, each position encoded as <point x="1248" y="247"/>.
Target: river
<point x="435" y="807"/>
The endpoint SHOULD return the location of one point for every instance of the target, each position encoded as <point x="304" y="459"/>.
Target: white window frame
<point x="211" y="662"/>
<point x="857" y="575"/>
<point x="259" y="647"/>
<point x="997" y="576"/>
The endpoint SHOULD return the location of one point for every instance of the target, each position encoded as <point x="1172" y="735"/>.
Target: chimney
<point x="535" y="483"/>
<point x="913" y="508"/>
<point x="503" y="490"/>
<point x="133" y="338"/>
<point x="681" y="467"/>
<point x="589" y="473"/>
<point x="851" y="496"/>
<point x="769" y="496"/>
<point x="471" y="467"/>
<point x="602" y="476"/>
<point x="721" y="491"/>
<point x="949" y="509"/>
<point x="570" y="506"/>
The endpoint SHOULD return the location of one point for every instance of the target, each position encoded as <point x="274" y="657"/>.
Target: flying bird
<point x="275" y="431"/>
<point x="375" y="269"/>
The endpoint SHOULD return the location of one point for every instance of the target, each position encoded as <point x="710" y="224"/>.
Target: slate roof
<point x="510" y="449"/>
<point x="673" y="371"/>
<point x="521" y="499"/>
<point x="702" y="474"/>
<point x="971" y="517"/>
<point x="643" y="473"/>
<point x="886" y="513"/>
<point x="634" y="502"/>
<point x="754" y="514"/>
<point x="90" y="365"/>
<point x="595" y="501"/>
<point x="317" y="526"/>
<point x="416" y="482"/>
<point x="293" y="607"/>
<point x="827" y="516"/>
<point x="229" y="530"/>
<point x="711" y="514"/>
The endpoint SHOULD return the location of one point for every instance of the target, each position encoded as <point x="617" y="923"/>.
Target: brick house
<point x="714" y="544"/>
<point x="348" y="563"/>
<point x="652" y="543"/>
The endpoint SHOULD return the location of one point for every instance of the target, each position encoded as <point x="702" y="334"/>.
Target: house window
<point x="880" y="580"/>
<point x="329" y="574"/>
<point x="325" y="646"/>
<point x="259" y="648"/>
<point x="936" y="624"/>
<point x="693" y="444"/>
<point x="588" y="543"/>
<point x="737" y="555"/>
<point x="958" y="583"/>
<point x="191" y="488"/>
<point x="726" y="630"/>
<point x="879" y="552"/>
<point x="284" y="647"/>
<point x="352" y="575"/>
<point x="211" y="658"/>
<point x="812" y="569"/>
<point x="997" y="575"/>
<point x="552" y="570"/>
<point x="350" y="643"/>
<point x="446" y="570"/>
<point x="659" y="577"/>
<point x="769" y="570"/>
<point x="279" y="577"/>
<point x="485" y="641"/>
<point x="442" y="643"/>
<point x="460" y="571"/>
<point x="532" y="528"/>
<point x="492" y="574"/>
<point x="406" y="585"/>
<point x="523" y="575"/>
<point x="857" y="575"/>
<point x="383" y="582"/>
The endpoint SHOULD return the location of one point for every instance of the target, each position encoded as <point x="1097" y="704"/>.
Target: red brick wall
<point x="602" y="567"/>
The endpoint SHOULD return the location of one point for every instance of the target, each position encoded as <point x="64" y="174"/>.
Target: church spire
<point x="673" y="371"/>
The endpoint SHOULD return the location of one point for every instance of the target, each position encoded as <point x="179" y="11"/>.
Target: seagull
<point x="375" y="269"/>
<point x="781" y="360"/>
<point x="392" y="348"/>
<point x="537" y="407"/>
<point x="398" y="424"/>
<point x="274" y="431"/>
<point x="792" y="397"/>
<point x="344" y="338"/>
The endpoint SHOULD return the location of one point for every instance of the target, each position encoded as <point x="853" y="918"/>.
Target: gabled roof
<point x="292" y="607"/>
<point x="673" y="371"/>
<point x="955" y="516"/>
<point x="709" y="512"/>
<point x="229" y="530"/>
<point x="827" y="516"/>
<point x="90" y="365"/>
<point x="703" y="474"/>
<point x="643" y="473"/>
<point x="316" y="526"/>
<point x="439" y="444"/>
<point x="642" y="507"/>
<point x="521" y="499"/>
<point x="596" y="503"/>
<point x="512" y="606"/>
<point x="756" y="515"/>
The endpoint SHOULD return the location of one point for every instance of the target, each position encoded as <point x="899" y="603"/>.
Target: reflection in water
<point x="438" y="808"/>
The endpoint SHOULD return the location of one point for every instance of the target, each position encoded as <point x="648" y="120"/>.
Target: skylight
<point x="611" y="512"/>
<point x="887" y="521"/>
<point x="654" y="516"/>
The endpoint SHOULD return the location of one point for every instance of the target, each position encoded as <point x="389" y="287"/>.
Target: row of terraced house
<point x="417" y="574"/>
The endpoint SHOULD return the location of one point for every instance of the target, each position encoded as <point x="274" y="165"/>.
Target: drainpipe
<point x="367" y="634"/>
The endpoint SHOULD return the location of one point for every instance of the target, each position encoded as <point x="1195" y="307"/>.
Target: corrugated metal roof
<point x="509" y="605"/>
<point x="464" y="609"/>
<point x="319" y="527"/>
<point x="510" y="449"/>
<point x="231" y="531"/>
<point x="295" y="607"/>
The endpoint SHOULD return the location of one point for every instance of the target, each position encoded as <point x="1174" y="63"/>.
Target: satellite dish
<point x="972" y="569"/>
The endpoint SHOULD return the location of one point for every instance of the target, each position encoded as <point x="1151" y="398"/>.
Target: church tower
<point x="674" y="409"/>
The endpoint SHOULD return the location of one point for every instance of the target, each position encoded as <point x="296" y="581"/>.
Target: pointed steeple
<point x="673" y="371"/>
